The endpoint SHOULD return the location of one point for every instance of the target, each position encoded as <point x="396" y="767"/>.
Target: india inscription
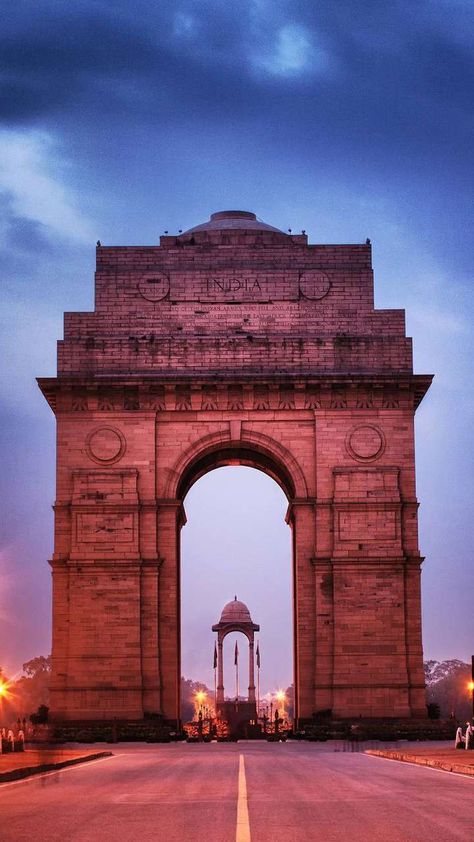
<point x="287" y="285"/>
<point x="236" y="286"/>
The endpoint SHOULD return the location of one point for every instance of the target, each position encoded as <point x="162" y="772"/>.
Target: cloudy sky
<point x="347" y="119"/>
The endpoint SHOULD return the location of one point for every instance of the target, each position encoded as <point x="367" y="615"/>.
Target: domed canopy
<point x="235" y="612"/>
<point x="233" y="220"/>
<point x="236" y="617"/>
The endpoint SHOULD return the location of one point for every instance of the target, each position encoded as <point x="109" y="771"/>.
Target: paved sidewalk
<point x="22" y="764"/>
<point x="449" y="759"/>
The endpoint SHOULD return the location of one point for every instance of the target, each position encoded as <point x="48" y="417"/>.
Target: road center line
<point x="242" y="833"/>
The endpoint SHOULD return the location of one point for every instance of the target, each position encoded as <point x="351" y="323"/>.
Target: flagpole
<point x="236" y="662"/>
<point x="258" y="678"/>
<point x="258" y="691"/>
<point x="215" y="680"/>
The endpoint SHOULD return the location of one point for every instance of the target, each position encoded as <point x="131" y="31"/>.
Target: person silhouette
<point x="469" y="738"/>
<point x="459" y="739"/>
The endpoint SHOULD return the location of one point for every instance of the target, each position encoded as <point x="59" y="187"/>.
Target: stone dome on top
<point x="235" y="612"/>
<point x="233" y="220"/>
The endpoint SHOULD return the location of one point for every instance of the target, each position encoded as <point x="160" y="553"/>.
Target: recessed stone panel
<point x="367" y="526"/>
<point x="367" y="483"/>
<point x="116" y="528"/>
<point x="108" y="486"/>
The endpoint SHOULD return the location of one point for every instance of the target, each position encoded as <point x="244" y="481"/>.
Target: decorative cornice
<point x="146" y="393"/>
<point x="367" y="561"/>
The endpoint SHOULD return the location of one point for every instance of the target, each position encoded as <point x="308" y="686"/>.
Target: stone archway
<point x="241" y="445"/>
<point x="260" y="451"/>
<point x="234" y="341"/>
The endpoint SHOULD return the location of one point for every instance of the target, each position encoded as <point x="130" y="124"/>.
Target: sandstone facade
<point x="234" y="343"/>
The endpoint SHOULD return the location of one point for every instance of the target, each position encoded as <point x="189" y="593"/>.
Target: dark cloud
<point x="393" y="89"/>
<point x="204" y="57"/>
<point x="49" y="62"/>
<point x="380" y="97"/>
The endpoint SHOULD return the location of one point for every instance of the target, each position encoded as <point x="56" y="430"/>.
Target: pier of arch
<point x="234" y="343"/>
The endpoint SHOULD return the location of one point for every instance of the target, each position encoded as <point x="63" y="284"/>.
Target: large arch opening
<point x="237" y="541"/>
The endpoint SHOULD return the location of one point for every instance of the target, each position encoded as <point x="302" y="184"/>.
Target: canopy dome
<point x="235" y="612"/>
<point x="233" y="220"/>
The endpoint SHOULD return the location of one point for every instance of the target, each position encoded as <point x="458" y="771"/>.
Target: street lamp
<point x="200" y="697"/>
<point x="471" y="685"/>
<point x="4" y="694"/>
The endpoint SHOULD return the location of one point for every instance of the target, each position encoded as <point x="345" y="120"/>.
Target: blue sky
<point x="349" y="120"/>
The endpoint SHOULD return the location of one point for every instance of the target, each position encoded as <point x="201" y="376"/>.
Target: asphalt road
<point x="244" y="792"/>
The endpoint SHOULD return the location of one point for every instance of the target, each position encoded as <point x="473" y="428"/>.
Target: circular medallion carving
<point x="154" y="287"/>
<point x="314" y="284"/>
<point x="365" y="443"/>
<point x="105" y="445"/>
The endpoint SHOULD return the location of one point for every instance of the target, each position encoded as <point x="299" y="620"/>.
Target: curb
<point x="423" y="761"/>
<point x="29" y="771"/>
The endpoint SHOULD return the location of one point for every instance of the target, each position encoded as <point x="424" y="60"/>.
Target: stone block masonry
<point x="234" y="342"/>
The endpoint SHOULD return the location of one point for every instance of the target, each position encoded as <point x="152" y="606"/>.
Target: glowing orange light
<point x="200" y="697"/>
<point x="3" y="689"/>
<point x="280" y="695"/>
<point x="470" y="685"/>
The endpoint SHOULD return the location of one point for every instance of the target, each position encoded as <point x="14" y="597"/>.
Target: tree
<point x="189" y="688"/>
<point x="447" y="686"/>
<point x="290" y="701"/>
<point x="31" y="690"/>
<point x="39" y="666"/>
<point x="41" y="715"/>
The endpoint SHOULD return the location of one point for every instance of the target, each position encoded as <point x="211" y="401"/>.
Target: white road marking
<point x="155" y="799"/>
<point x="421" y="766"/>
<point x="31" y="778"/>
<point x="242" y="833"/>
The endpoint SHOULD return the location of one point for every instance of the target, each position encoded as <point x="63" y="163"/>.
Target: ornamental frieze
<point x="231" y="397"/>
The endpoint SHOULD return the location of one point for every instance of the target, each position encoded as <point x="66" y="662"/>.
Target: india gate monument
<point x="235" y="343"/>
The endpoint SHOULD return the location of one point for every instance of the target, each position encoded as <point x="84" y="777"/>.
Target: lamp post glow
<point x="280" y="697"/>
<point x="471" y="685"/>
<point x="5" y="691"/>
<point x="4" y="694"/>
<point x="199" y="699"/>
